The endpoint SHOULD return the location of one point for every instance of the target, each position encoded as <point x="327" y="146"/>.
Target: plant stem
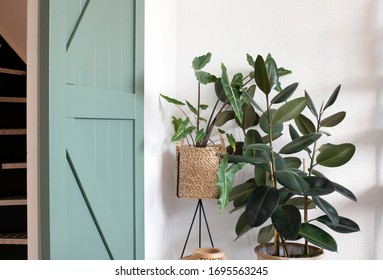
<point x="198" y="105"/>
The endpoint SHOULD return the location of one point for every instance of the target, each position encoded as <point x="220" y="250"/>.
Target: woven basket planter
<point x="197" y="169"/>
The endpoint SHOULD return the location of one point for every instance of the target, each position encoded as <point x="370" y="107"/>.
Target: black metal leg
<point x="201" y="210"/>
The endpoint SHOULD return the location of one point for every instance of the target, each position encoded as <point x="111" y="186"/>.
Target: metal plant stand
<point x="201" y="211"/>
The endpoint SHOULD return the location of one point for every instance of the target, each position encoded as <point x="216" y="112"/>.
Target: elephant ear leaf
<point x="200" y="62"/>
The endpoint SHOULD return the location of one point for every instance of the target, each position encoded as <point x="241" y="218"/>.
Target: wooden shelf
<point x="16" y="165"/>
<point x="12" y="71"/>
<point x="21" y="131"/>
<point x="13" y="238"/>
<point x="13" y="99"/>
<point x="13" y="201"/>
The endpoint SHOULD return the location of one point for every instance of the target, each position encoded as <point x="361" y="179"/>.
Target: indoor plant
<point x="282" y="188"/>
<point x="198" y="159"/>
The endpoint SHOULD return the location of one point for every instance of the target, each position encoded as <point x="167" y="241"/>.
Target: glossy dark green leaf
<point x="299" y="203"/>
<point x="318" y="186"/>
<point x="344" y="191"/>
<point x="266" y="138"/>
<point x="232" y="94"/>
<point x="284" y="195"/>
<point x="236" y="82"/>
<point x="260" y="175"/>
<point x="287" y="221"/>
<point x="200" y="61"/>
<point x="241" y="191"/>
<point x="225" y="179"/>
<point x="264" y="123"/>
<point x="272" y="70"/>
<point x="252" y="137"/>
<point x="292" y="181"/>
<point x="261" y="77"/>
<point x="242" y="226"/>
<point x="333" y="120"/>
<point x="345" y="225"/>
<point x="332" y="98"/>
<point x="172" y="100"/>
<point x="257" y="146"/>
<point x="304" y="124"/>
<point x="250" y="117"/>
<point x="289" y="110"/>
<point x="328" y="209"/>
<point x="318" y="237"/>
<point x="336" y="155"/>
<point x="251" y="91"/>
<point x="317" y="173"/>
<point x="266" y="156"/>
<point x="310" y="105"/>
<point x="261" y="204"/>
<point x="237" y="151"/>
<point x="300" y="143"/>
<point x="292" y="162"/>
<point x="265" y="234"/>
<point x="239" y="158"/>
<point x="293" y="132"/>
<point x="224" y="117"/>
<point x="285" y="94"/>
<point x="220" y="93"/>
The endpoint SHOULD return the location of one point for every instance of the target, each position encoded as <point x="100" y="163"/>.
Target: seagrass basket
<point x="197" y="169"/>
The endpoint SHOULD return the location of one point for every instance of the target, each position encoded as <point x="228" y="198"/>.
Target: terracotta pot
<point x="295" y="250"/>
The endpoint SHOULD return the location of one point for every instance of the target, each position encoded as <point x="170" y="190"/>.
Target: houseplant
<point x="198" y="159"/>
<point x="283" y="189"/>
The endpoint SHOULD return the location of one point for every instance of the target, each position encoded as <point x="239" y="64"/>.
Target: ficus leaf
<point x="333" y="120"/>
<point x="285" y="94"/>
<point x="261" y="204"/>
<point x="336" y="155"/>
<point x="318" y="237"/>
<point x="289" y="110"/>
<point x="265" y="234"/>
<point x="242" y="226"/>
<point x="310" y="105"/>
<point x="332" y="98"/>
<point x="292" y="181"/>
<point x="300" y="143"/>
<point x="261" y="77"/>
<point x="304" y="124"/>
<point x="224" y="117"/>
<point x="328" y="209"/>
<point x="345" y="225"/>
<point x="272" y="70"/>
<point x="287" y="221"/>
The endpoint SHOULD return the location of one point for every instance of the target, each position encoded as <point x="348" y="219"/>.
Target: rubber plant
<point x="282" y="190"/>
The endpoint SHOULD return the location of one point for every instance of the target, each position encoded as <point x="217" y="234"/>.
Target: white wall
<point x="325" y="43"/>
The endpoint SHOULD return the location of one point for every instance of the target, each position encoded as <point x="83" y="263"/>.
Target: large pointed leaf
<point x="219" y="90"/>
<point x="250" y="60"/>
<point x="344" y="191"/>
<point x="264" y="123"/>
<point x="336" y="155"/>
<point x="252" y="137"/>
<point x="224" y="117"/>
<point x="333" y="120"/>
<point x="318" y="237"/>
<point x="345" y="225"/>
<point x="304" y="124"/>
<point x="247" y="96"/>
<point x="261" y="205"/>
<point x="292" y="162"/>
<point x="287" y="221"/>
<point x="332" y="98"/>
<point x="328" y="209"/>
<point x="261" y="77"/>
<point x="257" y="146"/>
<point x="293" y="132"/>
<point x="272" y="70"/>
<point x="242" y="191"/>
<point x="242" y="226"/>
<point x="292" y="181"/>
<point x="285" y="94"/>
<point x="239" y="158"/>
<point x="232" y="94"/>
<point x="289" y="110"/>
<point x="225" y="179"/>
<point x="310" y="105"/>
<point x="236" y="82"/>
<point x="300" y="143"/>
<point x="318" y="186"/>
<point x="265" y="234"/>
<point x="192" y="108"/>
<point x="204" y="77"/>
<point x="250" y="117"/>
<point x="172" y="100"/>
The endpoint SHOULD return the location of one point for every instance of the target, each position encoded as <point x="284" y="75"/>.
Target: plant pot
<point x="208" y="254"/>
<point x="197" y="169"/>
<point x="296" y="251"/>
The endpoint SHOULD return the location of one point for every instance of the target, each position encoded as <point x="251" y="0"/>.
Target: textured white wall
<point x="325" y="43"/>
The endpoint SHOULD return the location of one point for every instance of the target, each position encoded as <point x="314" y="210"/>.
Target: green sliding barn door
<point x="94" y="129"/>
